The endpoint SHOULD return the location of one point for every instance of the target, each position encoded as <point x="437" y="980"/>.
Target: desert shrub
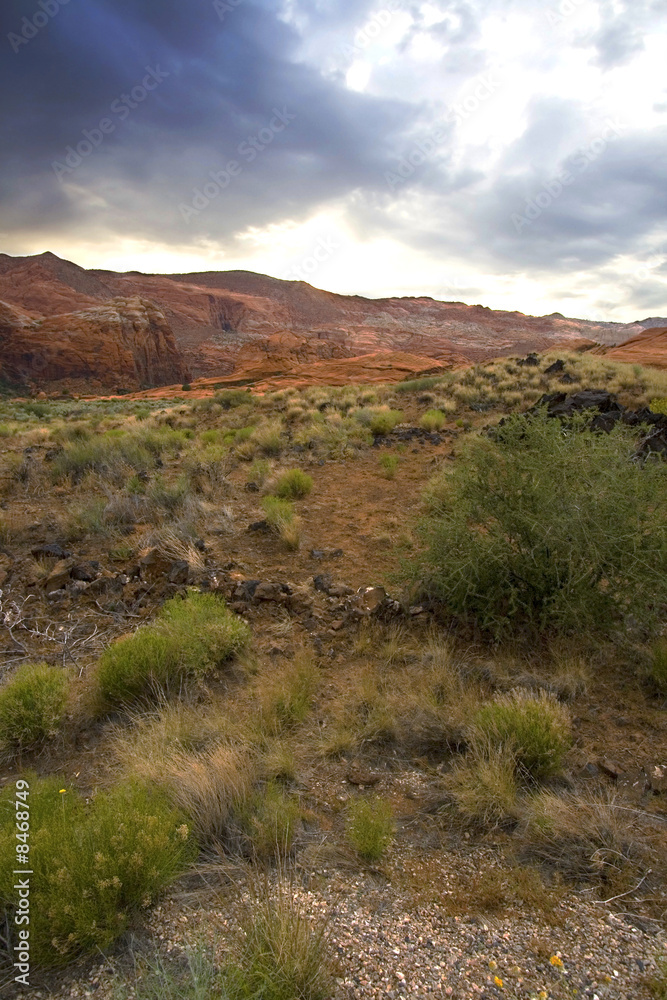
<point x="104" y="454"/>
<point x="659" y="405"/>
<point x="94" y="866"/>
<point x="259" y="472"/>
<point x="484" y="786"/>
<point x="417" y="384"/>
<point x="293" y="484"/>
<point x="433" y="420"/>
<point x="384" y="420"/>
<point x="32" y="706"/>
<point x="535" y="728"/>
<point x="370" y="827"/>
<point x="168" y="498"/>
<point x="189" y="638"/>
<point x="658" y="667"/>
<point x="268" y="438"/>
<point x="389" y="465"/>
<point x="547" y="528"/>
<point x="186" y="387"/>
<point x="229" y="399"/>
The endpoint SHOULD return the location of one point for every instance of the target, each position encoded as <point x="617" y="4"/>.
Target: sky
<point x="511" y="153"/>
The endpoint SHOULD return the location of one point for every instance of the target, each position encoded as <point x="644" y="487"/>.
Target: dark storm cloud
<point x="188" y="89"/>
<point x="223" y="71"/>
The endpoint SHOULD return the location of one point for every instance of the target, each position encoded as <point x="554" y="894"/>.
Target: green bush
<point x="189" y="638"/>
<point x="231" y="398"/>
<point x="32" y="706"/>
<point x="659" y="664"/>
<point x="433" y="420"/>
<point x="94" y="867"/>
<point x="370" y="827"/>
<point x="547" y="528"/>
<point x="379" y="419"/>
<point x="659" y="405"/>
<point x="535" y="729"/>
<point x="293" y="484"/>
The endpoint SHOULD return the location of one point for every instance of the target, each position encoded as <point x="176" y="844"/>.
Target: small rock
<point x="611" y="768"/>
<point x="50" y="550"/>
<point x="260" y="526"/>
<point x="179" y="572"/>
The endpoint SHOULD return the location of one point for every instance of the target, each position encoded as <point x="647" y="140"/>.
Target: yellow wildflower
<point x="557" y="961"/>
<point x="498" y="981"/>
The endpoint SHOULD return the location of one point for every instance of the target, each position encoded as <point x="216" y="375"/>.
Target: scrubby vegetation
<point x="93" y="866"/>
<point x="370" y="827"/>
<point x="32" y="706"/>
<point x="189" y="638"/>
<point x="329" y="644"/>
<point x="544" y="529"/>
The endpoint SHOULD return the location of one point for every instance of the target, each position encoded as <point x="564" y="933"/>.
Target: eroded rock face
<point x="229" y="322"/>
<point x="123" y="344"/>
<point x="648" y="348"/>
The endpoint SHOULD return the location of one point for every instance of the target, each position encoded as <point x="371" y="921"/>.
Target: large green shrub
<point x="93" y="866"/>
<point x="547" y="527"/>
<point x="190" y="637"/>
<point x="32" y="706"/>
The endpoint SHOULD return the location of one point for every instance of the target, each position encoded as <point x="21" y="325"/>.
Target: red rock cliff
<point x="123" y="344"/>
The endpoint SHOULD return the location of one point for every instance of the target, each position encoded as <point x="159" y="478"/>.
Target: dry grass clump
<point x="286" y="694"/>
<point x="595" y="837"/>
<point x="412" y="700"/>
<point x="281" y="516"/>
<point x="484" y="785"/>
<point x="285" y="954"/>
<point x="197" y="756"/>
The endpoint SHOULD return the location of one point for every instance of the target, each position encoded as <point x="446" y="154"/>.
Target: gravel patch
<point x="386" y="942"/>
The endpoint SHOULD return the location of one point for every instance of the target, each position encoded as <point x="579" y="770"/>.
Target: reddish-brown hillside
<point x="226" y="322"/>
<point x="647" y="348"/>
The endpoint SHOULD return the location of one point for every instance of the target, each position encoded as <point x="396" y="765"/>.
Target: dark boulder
<point x="531" y="361"/>
<point x="555" y="368"/>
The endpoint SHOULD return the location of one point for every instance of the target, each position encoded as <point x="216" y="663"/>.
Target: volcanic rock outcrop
<point x="125" y="344"/>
